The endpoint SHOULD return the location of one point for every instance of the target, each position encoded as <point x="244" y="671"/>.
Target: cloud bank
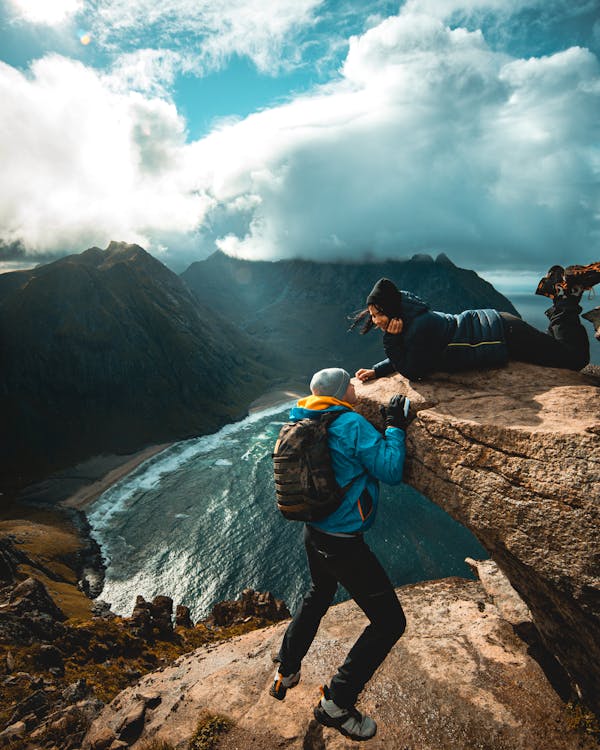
<point x="428" y="140"/>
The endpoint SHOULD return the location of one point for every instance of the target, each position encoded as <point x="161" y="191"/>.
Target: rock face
<point x="458" y="679"/>
<point x="514" y="455"/>
<point x="108" y="351"/>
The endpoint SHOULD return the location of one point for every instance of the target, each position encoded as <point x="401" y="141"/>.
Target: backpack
<point x="305" y="484"/>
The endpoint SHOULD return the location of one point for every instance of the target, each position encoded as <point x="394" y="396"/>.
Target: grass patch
<point x="209" y="729"/>
<point x="581" y="718"/>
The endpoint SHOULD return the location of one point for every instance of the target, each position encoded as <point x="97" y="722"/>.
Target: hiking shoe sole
<point x="582" y="277"/>
<point x="553" y="283"/>
<point x="336" y="723"/>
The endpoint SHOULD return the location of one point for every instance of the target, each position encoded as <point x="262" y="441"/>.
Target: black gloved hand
<point x="397" y="412"/>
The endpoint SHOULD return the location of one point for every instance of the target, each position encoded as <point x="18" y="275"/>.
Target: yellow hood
<point x="322" y="402"/>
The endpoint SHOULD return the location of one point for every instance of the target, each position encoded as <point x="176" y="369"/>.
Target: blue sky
<point x="330" y="130"/>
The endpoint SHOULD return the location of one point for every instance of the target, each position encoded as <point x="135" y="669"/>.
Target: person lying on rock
<point x="338" y="554"/>
<point x="419" y="341"/>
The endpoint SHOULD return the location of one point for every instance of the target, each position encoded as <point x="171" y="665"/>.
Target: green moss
<point x="581" y="718"/>
<point x="207" y="733"/>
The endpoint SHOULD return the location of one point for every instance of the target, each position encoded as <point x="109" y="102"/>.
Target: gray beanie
<point x="332" y="381"/>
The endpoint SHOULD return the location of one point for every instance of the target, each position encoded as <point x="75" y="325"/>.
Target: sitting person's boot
<point x="594" y="317"/>
<point x="553" y="284"/>
<point x="582" y="278"/>
<point x="282" y="684"/>
<point x="348" y="721"/>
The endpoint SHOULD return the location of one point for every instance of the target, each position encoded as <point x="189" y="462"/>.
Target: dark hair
<point x="363" y="316"/>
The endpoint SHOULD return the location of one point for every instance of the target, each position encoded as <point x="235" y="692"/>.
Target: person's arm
<point x="380" y="370"/>
<point x="385" y="367"/>
<point x="381" y="455"/>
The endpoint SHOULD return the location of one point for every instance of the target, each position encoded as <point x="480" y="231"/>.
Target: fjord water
<point x="198" y="523"/>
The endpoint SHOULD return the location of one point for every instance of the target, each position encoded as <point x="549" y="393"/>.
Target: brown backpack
<point x="305" y="484"/>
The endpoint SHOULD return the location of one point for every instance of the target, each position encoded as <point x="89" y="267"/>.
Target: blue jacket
<point x="357" y="450"/>
<point x="434" y="341"/>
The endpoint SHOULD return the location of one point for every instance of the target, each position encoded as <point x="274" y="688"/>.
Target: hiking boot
<point x="348" y="721"/>
<point x="582" y="277"/>
<point x="282" y="684"/>
<point x="553" y="284"/>
<point x="594" y="317"/>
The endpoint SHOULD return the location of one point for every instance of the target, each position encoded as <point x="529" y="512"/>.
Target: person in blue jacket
<point x="418" y="341"/>
<point x="338" y="554"/>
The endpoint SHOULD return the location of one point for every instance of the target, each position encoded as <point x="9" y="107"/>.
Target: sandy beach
<point x="79" y="486"/>
<point x="87" y="494"/>
<point x="273" y="398"/>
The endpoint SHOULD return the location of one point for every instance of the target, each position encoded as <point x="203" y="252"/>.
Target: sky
<point x="323" y="129"/>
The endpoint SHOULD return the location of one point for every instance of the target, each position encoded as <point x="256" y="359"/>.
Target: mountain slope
<point x="301" y="307"/>
<point x="109" y="350"/>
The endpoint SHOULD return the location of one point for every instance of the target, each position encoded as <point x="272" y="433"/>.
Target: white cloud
<point x="46" y="12"/>
<point x="82" y="163"/>
<point x="211" y="31"/>
<point x="428" y="141"/>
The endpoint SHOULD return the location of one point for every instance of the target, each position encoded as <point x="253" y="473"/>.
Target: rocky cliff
<point x="514" y="455"/>
<point x="458" y="679"/>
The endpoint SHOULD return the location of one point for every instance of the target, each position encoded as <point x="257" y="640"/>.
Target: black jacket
<point x="434" y="341"/>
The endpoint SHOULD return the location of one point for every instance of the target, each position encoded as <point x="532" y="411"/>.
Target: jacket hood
<point x="307" y="406"/>
<point x="412" y="306"/>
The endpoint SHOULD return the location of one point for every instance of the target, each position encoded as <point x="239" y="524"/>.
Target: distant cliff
<point x="301" y="307"/>
<point x="107" y="351"/>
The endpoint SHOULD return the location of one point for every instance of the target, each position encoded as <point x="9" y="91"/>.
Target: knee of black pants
<point x="391" y="626"/>
<point x="396" y="627"/>
<point x="319" y="598"/>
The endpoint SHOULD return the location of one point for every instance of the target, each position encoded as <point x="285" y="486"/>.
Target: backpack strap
<point x="329" y="417"/>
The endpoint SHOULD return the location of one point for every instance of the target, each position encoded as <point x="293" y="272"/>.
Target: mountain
<point x="302" y="307"/>
<point x="107" y="351"/>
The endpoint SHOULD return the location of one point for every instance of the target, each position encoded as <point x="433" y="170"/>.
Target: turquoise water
<point x="198" y="523"/>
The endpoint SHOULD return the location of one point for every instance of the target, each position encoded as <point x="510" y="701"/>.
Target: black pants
<point x="348" y="561"/>
<point x="566" y="343"/>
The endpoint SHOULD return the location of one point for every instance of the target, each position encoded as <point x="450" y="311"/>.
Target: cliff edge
<point x="458" y="679"/>
<point x="514" y="455"/>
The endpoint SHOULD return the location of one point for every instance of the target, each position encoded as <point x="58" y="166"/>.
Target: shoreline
<point x="274" y="398"/>
<point x="98" y="480"/>
<point x="87" y="494"/>
<point x="77" y="487"/>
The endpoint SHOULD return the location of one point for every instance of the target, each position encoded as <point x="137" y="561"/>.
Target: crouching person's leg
<point x="367" y="582"/>
<point x="302" y="629"/>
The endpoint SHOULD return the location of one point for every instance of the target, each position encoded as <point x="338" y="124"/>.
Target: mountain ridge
<point x="108" y="350"/>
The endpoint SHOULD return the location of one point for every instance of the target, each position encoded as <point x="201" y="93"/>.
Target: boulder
<point x="162" y="615"/>
<point x="514" y="455"/>
<point x="250" y="604"/>
<point x="31" y="598"/>
<point x="182" y="617"/>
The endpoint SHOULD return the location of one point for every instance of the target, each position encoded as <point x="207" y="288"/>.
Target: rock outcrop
<point x="514" y="455"/>
<point x="458" y="679"/>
